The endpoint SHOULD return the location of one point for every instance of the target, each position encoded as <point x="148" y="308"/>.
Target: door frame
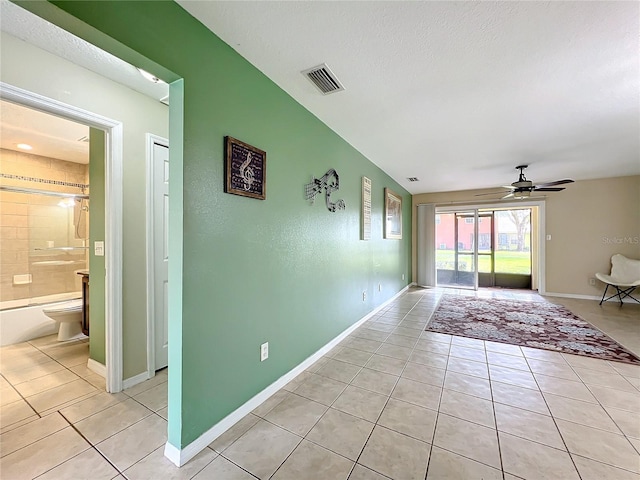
<point x="113" y="215"/>
<point x="541" y="272"/>
<point x="151" y="140"/>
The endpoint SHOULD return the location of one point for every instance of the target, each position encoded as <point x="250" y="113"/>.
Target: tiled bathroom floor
<point x="391" y="401"/>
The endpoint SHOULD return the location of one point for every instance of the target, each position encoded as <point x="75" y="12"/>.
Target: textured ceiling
<point x="458" y="93"/>
<point x="36" y="31"/>
<point x="50" y="136"/>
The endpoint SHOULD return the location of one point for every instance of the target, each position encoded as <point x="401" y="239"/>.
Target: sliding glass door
<point x="484" y="248"/>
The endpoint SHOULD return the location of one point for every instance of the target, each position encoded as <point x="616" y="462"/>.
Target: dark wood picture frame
<point x="392" y="215"/>
<point x="245" y="169"/>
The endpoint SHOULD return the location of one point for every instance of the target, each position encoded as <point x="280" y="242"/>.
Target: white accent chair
<point x="625" y="278"/>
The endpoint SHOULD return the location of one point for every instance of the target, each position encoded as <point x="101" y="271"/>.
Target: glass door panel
<point x="513" y="229"/>
<point x="445" y="249"/>
<point x="513" y="248"/>
<point x="465" y="250"/>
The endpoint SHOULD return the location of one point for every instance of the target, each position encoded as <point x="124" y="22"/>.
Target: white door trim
<point x="151" y="140"/>
<point x="113" y="216"/>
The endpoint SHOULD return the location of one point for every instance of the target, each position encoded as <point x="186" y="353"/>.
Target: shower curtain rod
<point x="42" y="192"/>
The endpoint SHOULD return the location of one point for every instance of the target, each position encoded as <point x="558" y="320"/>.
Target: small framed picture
<point x="392" y="214"/>
<point x="245" y="169"/>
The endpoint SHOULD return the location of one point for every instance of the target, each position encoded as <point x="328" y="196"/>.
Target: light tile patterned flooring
<point x="391" y="401"/>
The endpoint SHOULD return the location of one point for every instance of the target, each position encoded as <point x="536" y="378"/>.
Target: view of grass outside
<point x="506" y="262"/>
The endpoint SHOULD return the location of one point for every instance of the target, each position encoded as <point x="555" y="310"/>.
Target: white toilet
<point x="69" y="316"/>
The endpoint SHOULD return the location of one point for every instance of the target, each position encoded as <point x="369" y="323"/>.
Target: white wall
<point x="36" y="70"/>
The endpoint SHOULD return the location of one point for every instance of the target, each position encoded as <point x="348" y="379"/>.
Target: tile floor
<point x="391" y="401"/>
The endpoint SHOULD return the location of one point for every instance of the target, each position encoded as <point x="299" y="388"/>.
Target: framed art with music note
<point x="245" y="169"/>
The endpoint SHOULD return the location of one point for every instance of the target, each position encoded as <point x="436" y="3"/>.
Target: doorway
<point x="157" y="253"/>
<point x="484" y="248"/>
<point x="113" y="215"/>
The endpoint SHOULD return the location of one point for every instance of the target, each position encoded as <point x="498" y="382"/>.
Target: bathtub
<point x="22" y="320"/>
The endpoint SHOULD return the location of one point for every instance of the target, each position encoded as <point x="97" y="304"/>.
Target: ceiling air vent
<point x="413" y="179"/>
<point x="324" y="79"/>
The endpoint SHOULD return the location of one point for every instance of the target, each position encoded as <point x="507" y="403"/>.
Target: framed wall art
<point x="392" y="214"/>
<point x="366" y="209"/>
<point x="245" y="169"/>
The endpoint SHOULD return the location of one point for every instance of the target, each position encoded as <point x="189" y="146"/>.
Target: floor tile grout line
<point x="495" y="420"/>
<point x="23" y="399"/>
<point x="91" y="446"/>
<point x="375" y="423"/>
<point x="556" y="424"/>
<point x="240" y="467"/>
<point x="113" y="434"/>
<point x="435" y="425"/>
<point x="390" y="396"/>
<point x="64" y="367"/>
<point x="604" y="463"/>
<point x="602" y="406"/>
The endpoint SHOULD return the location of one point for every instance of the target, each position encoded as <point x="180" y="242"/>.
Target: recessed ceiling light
<point x="24" y="146"/>
<point x="150" y="76"/>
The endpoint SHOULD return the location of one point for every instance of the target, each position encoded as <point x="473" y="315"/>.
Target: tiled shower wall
<point x="30" y="221"/>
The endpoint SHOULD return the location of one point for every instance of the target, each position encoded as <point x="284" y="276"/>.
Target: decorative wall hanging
<point x="330" y="182"/>
<point x="366" y="208"/>
<point x="392" y="214"/>
<point x="245" y="169"/>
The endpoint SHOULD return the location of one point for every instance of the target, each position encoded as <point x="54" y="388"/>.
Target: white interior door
<point x="161" y="252"/>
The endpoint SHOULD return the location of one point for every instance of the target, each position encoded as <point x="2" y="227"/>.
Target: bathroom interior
<point x="44" y="229"/>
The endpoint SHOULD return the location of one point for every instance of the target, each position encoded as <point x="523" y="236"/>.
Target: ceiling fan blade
<point x="507" y="196"/>
<point x="490" y="193"/>
<point x="510" y="187"/>
<point x="552" y="184"/>
<point x="545" y="189"/>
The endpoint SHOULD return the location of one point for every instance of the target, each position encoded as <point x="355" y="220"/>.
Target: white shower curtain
<point x="426" y="245"/>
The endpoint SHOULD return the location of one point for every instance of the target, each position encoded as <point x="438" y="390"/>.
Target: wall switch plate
<point x="403" y="276"/>
<point x="264" y="351"/>
<point x="592" y="281"/>
<point x="98" y="249"/>
<point x="364" y="295"/>
<point x="379" y="287"/>
<point x="549" y="237"/>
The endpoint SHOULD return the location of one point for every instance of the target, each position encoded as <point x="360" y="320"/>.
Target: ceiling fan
<point x="522" y="188"/>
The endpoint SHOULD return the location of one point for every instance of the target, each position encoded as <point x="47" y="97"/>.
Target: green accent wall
<point x="96" y="233"/>
<point x="244" y="271"/>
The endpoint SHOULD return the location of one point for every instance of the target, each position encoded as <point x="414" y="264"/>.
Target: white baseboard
<point x="584" y="297"/>
<point x="97" y="367"/>
<point x="136" y="379"/>
<point x="181" y="456"/>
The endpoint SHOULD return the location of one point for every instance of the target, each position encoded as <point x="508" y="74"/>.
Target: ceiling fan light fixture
<point x="522" y="195"/>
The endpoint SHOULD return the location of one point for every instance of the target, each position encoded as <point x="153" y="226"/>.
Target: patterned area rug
<point x="531" y="324"/>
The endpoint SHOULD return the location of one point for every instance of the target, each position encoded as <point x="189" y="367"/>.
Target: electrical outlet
<point x="379" y="287"/>
<point x="98" y="249"/>
<point x="364" y="295"/>
<point x="549" y="237"/>
<point x="264" y="351"/>
<point x="592" y="281"/>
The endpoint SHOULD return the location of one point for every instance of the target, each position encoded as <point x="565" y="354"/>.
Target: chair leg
<point x="627" y="293"/>
<point x="620" y="294"/>
<point x="605" y="292"/>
